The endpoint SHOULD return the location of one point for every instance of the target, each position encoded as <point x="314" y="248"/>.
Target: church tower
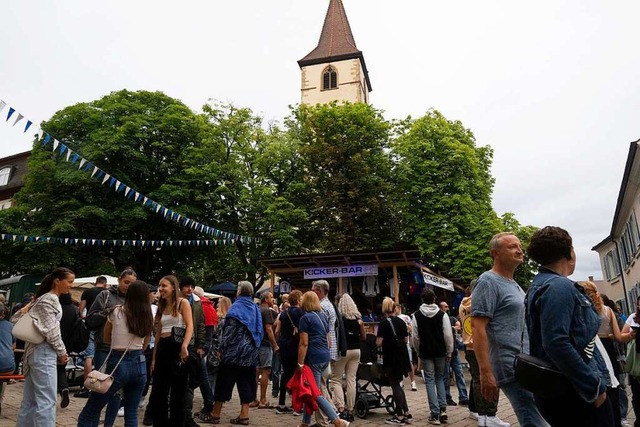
<point x="335" y="70"/>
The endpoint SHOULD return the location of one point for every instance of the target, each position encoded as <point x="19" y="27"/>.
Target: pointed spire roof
<point x="336" y="40"/>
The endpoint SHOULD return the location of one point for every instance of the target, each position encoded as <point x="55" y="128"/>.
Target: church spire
<point x="336" y="40"/>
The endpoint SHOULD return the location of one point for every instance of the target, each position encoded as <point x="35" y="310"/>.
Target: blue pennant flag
<point x="74" y="158"/>
<point x="27" y="126"/>
<point x="47" y="138"/>
<point x="11" y="111"/>
<point x="112" y="182"/>
<point x="63" y="148"/>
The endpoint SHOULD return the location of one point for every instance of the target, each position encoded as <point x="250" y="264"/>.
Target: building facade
<point x="619" y="252"/>
<point x="335" y="70"/>
<point x="13" y="170"/>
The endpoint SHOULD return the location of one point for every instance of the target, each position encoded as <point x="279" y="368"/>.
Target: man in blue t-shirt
<point x="497" y="318"/>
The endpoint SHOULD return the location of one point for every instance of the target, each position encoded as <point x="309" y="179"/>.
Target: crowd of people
<point x="310" y="348"/>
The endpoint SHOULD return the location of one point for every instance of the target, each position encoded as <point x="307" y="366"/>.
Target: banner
<point x="76" y="160"/>
<point x="438" y="281"/>
<point x="114" y="242"/>
<point x="341" y="271"/>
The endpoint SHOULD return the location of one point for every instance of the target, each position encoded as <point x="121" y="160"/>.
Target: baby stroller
<point x="370" y="379"/>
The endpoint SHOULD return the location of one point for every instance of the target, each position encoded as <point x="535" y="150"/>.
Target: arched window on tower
<point x="329" y="78"/>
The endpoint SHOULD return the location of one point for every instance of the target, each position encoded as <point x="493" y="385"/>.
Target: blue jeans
<point x="114" y="402"/>
<point x="434" y="377"/>
<point x="38" y="408"/>
<point x="457" y="372"/>
<point x="131" y="376"/>
<point x="523" y="405"/>
<point x="323" y="403"/>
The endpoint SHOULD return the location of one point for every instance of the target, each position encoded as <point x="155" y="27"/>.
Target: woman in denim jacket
<point x="563" y="326"/>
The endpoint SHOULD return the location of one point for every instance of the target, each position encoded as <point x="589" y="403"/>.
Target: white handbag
<point x="25" y="329"/>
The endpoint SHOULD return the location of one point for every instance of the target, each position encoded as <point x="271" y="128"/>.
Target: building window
<point x="4" y="176"/>
<point x="329" y="78"/>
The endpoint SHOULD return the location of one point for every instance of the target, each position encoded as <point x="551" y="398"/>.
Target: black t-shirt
<point x="352" y="332"/>
<point x="268" y="318"/>
<point x="90" y="296"/>
<point x="287" y="342"/>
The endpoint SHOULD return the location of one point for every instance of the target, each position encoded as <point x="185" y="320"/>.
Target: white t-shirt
<point x="631" y="321"/>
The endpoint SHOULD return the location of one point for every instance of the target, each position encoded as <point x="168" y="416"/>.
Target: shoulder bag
<point x="25" y="329"/>
<point x="537" y="375"/>
<point x="98" y="380"/>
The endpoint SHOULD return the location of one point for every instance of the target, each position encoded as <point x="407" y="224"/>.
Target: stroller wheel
<point x="362" y="407"/>
<point x="390" y="405"/>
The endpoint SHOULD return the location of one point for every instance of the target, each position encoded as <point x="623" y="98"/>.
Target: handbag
<point x="25" y="328"/>
<point x="539" y="377"/>
<point x="177" y="334"/>
<point x="632" y="362"/>
<point x="99" y="381"/>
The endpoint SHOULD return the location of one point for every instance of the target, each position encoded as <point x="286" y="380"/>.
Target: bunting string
<point x="119" y="187"/>
<point x="114" y="242"/>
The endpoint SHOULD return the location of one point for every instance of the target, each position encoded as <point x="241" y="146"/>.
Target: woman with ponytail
<point x="39" y="362"/>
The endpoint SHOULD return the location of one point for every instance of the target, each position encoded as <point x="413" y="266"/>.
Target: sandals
<point x="267" y="405"/>
<point x="240" y="421"/>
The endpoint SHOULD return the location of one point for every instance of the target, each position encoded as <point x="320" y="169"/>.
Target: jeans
<point x="477" y="402"/>
<point x="457" y="372"/>
<point x="434" y="377"/>
<point x="276" y="373"/>
<point x="323" y="403"/>
<point x="572" y="410"/>
<point x="624" y="400"/>
<point x="205" y="390"/>
<point x="38" y="408"/>
<point x="524" y="405"/>
<point x="114" y="402"/>
<point x="131" y="376"/>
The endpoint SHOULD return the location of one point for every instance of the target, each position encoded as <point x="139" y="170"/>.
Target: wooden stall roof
<point x="384" y="258"/>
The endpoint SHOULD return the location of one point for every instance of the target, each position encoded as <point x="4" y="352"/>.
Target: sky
<point x="551" y="86"/>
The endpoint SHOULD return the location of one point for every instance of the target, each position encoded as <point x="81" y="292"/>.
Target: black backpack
<point x="77" y="338"/>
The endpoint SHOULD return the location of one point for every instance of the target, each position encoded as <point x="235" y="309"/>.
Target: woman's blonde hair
<point x="592" y="292"/>
<point x="223" y="306"/>
<point x="310" y="302"/>
<point x="348" y="308"/>
<point x="388" y="306"/>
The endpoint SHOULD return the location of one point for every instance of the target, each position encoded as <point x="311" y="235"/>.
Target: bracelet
<point x="301" y="365"/>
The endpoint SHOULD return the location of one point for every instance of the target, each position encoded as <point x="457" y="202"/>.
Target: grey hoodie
<point x="431" y="310"/>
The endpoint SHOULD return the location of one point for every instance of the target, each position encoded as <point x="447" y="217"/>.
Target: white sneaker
<point x="474" y="415"/>
<point x="413" y="386"/>
<point x="495" y="422"/>
<point x="624" y="422"/>
<point x="121" y="412"/>
<point x="482" y="420"/>
<point x="143" y="403"/>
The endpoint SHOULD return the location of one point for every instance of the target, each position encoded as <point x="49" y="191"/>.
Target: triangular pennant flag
<point x="47" y="138"/>
<point x="55" y="144"/>
<point x="82" y="162"/>
<point x="127" y="189"/>
<point x="27" y="126"/>
<point x="106" y="178"/>
<point x="11" y="111"/>
<point x="112" y="181"/>
<point x="2" y="105"/>
<point x="69" y="153"/>
<point x="95" y="169"/>
<point x="62" y="148"/>
<point x="20" y="117"/>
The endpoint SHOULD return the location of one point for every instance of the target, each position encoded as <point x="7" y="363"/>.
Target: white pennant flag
<point x="127" y="190"/>
<point x="2" y="105"/>
<point x="158" y="207"/>
<point x="144" y="201"/>
<point x="136" y="197"/>
<point x="55" y="144"/>
<point x="69" y="152"/>
<point x="14" y="237"/>
<point x="82" y="162"/>
<point x="95" y="169"/>
<point x="106" y="178"/>
<point x="117" y="185"/>
<point x="66" y="240"/>
<point x="20" y="117"/>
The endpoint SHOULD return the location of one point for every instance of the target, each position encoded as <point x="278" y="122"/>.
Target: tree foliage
<point x="333" y="178"/>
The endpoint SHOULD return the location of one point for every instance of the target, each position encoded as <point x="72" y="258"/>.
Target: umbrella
<point x="224" y="287"/>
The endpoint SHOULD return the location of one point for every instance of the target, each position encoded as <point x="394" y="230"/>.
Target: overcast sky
<point x="551" y="86"/>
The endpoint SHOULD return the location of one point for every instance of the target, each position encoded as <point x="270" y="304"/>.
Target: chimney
<point x="591" y="278"/>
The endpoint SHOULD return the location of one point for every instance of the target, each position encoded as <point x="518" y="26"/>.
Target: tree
<point x="138" y="137"/>
<point x="348" y="191"/>
<point x="444" y="187"/>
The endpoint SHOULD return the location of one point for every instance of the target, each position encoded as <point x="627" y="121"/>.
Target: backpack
<point x="77" y="338"/>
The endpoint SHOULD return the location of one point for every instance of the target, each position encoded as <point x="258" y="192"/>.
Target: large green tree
<point x="348" y="190"/>
<point x="138" y="137"/>
<point x="444" y="186"/>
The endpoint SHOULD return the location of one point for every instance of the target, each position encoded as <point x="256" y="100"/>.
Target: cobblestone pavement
<point x="417" y="401"/>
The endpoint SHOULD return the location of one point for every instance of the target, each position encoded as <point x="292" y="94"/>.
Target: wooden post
<point x="340" y="286"/>
<point x="396" y="284"/>
<point x="273" y="283"/>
